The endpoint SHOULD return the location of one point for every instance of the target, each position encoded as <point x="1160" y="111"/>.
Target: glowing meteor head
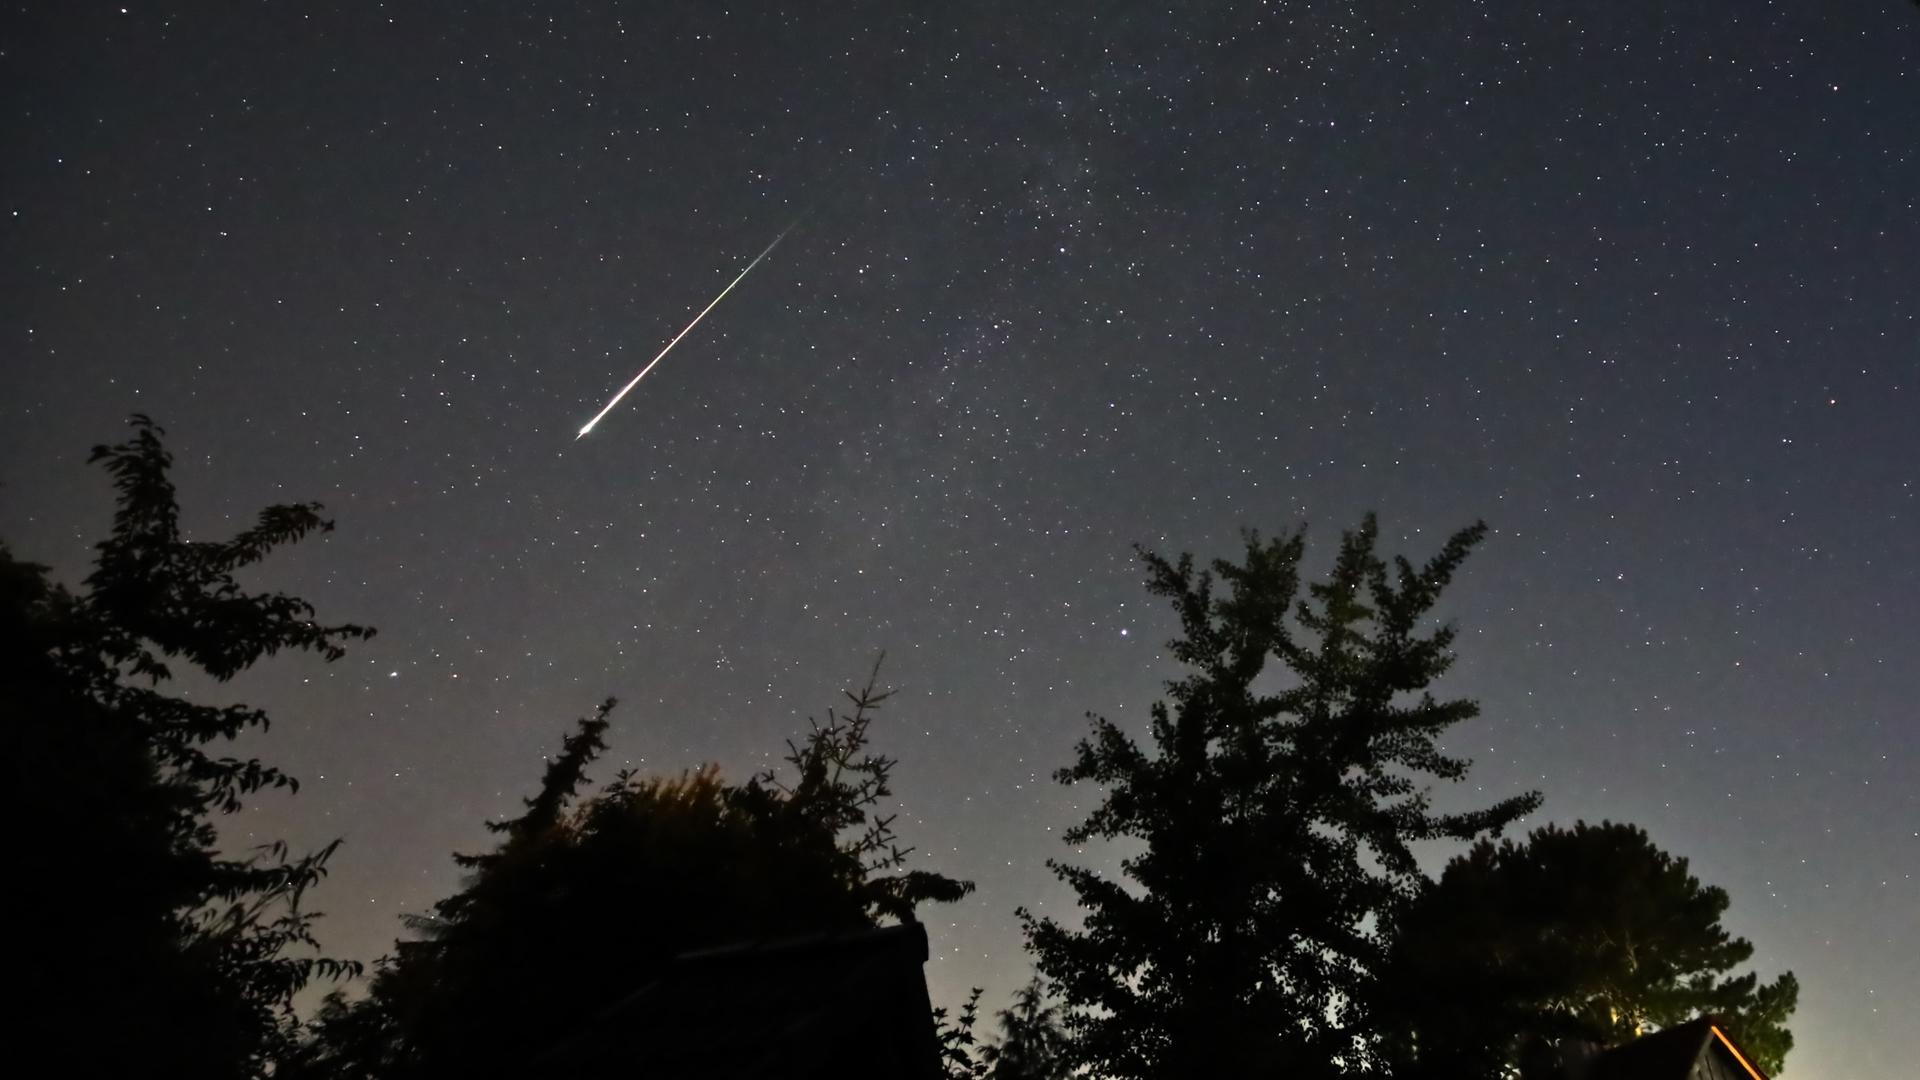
<point x="583" y="432"/>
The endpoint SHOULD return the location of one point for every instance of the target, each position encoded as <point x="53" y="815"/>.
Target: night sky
<point x="1641" y="289"/>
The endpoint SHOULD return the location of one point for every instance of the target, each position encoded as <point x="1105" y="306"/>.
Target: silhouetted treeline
<point x="1271" y="920"/>
<point x="1275" y="922"/>
<point x="583" y="901"/>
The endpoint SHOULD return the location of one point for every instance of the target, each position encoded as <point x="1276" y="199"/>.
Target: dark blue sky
<point x="1637" y="287"/>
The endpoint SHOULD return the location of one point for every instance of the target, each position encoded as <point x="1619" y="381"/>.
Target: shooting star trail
<point x="676" y="338"/>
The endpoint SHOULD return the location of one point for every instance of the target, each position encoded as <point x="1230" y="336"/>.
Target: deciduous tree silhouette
<point x="1590" y="933"/>
<point x="1274" y="809"/>
<point x="582" y="902"/>
<point x="962" y="1055"/>
<point x="144" y="949"/>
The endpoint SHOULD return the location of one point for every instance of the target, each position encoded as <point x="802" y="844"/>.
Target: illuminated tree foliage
<point x="1590" y="933"/>
<point x="147" y="951"/>
<point x="1273" y="813"/>
<point x="582" y="902"/>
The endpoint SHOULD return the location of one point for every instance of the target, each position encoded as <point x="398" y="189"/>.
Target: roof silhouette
<point x="850" y="1005"/>
<point x="1696" y="1050"/>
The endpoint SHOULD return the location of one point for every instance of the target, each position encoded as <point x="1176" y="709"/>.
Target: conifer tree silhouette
<point x="1273" y="812"/>
<point x="1032" y="1045"/>
<point x="1591" y="933"/>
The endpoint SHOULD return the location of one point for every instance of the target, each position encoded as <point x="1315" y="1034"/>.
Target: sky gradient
<point x="1639" y="288"/>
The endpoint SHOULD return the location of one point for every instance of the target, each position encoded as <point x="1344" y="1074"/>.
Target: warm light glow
<point x="1735" y="1051"/>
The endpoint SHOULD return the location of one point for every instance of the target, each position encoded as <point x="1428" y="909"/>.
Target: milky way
<point x="1634" y="283"/>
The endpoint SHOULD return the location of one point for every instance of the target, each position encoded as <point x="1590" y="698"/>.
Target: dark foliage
<point x="1275" y="811"/>
<point x="146" y="950"/>
<point x="962" y="1055"/>
<point x="1591" y="934"/>
<point x="1032" y="1044"/>
<point x="580" y="904"/>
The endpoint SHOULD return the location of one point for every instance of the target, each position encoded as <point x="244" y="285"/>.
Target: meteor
<point x="676" y="338"/>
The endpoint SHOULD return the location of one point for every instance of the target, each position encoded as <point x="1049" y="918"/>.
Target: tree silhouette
<point x="148" y="951"/>
<point x="582" y="903"/>
<point x="1274" y="813"/>
<point x="1590" y="933"/>
<point x="962" y="1055"/>
<point x="1032" y="1044"/>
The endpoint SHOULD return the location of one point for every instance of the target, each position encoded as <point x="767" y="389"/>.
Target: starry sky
<point x="1638" y="287"/>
